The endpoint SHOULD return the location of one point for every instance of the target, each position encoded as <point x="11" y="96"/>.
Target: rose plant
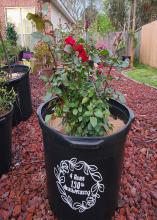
<point x="81" y="80"/>
<point x="83" y="90"/>
<point x="80" y="96"/>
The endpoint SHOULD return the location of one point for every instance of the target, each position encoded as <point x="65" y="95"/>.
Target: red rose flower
<point x="78" y="47"/>
<point x="70" y="40"/>
<point x="84" y="56"/>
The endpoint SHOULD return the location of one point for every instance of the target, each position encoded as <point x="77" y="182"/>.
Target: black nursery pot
<point x="5" y="142"/>
<point x="126" y="58"/>
<point x="83" y="173"/>
<point x="21" y="85"/>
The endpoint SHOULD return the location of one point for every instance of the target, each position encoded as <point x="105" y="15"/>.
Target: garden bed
<point x="23" y="190"/>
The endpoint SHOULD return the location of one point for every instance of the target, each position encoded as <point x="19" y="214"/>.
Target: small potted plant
<point x="17" y="77"/>
<point x="84" y="131"/>
<point x="7" y="99"/>
<point x="84" y="128"/>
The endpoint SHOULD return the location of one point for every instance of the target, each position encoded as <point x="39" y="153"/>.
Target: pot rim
<point x="7" y="113"/>
<point x="85" y="138"/>
<point x="20" y="78"/>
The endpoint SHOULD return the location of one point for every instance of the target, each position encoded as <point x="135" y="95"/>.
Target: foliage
<point x="81" y="82"/>
<point x="144" y="74"/>
<point x="12" y="51"/>
<point x="90" y="14"/>
<point x="146" y="12"/>
<point x="40" y="19"/>
<point x="4" y="49"/>
<point x="42" y="54"/>
<point x="83" y="91"/>
<point x="11" y="34"/>
<point x="101" y="26"/>
<point x="42" y="24"/>
<point x="117" y="11"/>
<point x="8" y="51"/>
<point x="7" y="98"/>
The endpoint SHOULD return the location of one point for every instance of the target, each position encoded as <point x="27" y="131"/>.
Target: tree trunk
<point x="127" y="50"/>
<point x="132" y="53"/>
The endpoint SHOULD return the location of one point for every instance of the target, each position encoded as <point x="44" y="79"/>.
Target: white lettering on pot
<point x="67" y="171"/>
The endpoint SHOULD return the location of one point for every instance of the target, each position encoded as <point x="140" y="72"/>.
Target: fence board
<point x="148" y="49"/>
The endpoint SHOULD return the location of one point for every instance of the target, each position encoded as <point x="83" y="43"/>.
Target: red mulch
<point x="23" y="190"/>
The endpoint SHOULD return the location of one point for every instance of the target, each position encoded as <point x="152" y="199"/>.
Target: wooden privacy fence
<point x="148" y="48"/>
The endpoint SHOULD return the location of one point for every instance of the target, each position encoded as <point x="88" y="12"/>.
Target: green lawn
<point x="144" y="74"/>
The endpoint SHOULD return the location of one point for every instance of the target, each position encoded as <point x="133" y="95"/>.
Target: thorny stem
<point x="109" y="72"/>
<point x="98" y="95"/>
<point x="53" y="57"/>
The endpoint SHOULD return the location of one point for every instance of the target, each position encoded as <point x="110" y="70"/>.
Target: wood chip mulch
<point x="23" y="193"/>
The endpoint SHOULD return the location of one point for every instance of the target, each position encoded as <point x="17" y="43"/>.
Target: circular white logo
<point x="73" y="178"/>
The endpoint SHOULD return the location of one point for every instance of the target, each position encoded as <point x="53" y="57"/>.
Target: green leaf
<point x="48" y="118"/>
<point x="48" y="96"/>
<point x="93" y="121"/>
<point x="44" y="78"/>
<point x="68" y="48"/>
<point x="104" y="52"/>
<point x="96" y="58"/>
<point x="30" y="16"/>
<point x="98" y="114"/>
<point x="38" y="20"/>
<point x="76" y="60"/>
<point x="65" y="109"/>
<point x="47" y="39"/>
<point x="88" y="113"/>
<point x="57" y="91"/>
<point x="80" y="118"/>
<point x="37" y="35"/>
<point x="85" y="100"/>
<point x="75" y="111"/>
<point x="80" y="109"/>
<point x="81" y="41"/>
<point x="91" y="92"/>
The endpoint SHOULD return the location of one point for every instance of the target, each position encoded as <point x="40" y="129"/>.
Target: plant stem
<point x="53" y="57"/>
<point x="107" y="84"/>
<point x="134" y="3"/>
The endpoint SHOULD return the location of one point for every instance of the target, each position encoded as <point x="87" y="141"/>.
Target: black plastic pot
<point x="83" y="173"/>
<point x="126" y="58"/>
<point x="5" y="141"/>
<point x="23" y="104"/>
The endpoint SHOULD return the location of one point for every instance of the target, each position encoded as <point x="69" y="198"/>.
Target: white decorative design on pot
<point x="70" y="167"/>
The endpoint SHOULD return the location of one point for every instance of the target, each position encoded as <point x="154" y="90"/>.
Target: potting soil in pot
<point x="116" y="123"/>
<point x="16" y="76"/>
<point x="19" y="81"/>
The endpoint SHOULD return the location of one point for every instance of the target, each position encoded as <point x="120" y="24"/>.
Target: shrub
<point x="11" y="34"/>
<point x="7" y="98"/>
